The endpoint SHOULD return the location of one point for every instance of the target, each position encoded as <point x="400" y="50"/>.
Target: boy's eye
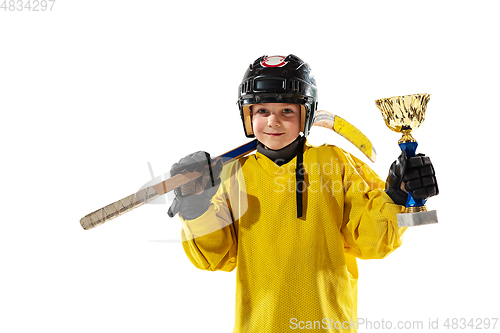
<point x="287" y="111"/>
<point x="262" y="111"/>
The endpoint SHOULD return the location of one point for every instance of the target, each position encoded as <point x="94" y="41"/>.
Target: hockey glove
<point x="418" y="176"/>
<point x="192" y="199"/>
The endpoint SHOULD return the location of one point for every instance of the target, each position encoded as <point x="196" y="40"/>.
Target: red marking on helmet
<point x="273" y="61"/>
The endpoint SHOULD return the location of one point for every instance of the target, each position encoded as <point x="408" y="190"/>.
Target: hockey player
<point x="292" y="218"/>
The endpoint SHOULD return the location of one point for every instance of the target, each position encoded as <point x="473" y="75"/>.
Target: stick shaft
<point x="150" y="193"/>
<point x="118" y="208"/>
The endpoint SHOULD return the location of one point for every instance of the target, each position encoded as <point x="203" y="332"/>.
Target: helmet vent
<point x="245" y="87"/>
<point x="294" y="85"/>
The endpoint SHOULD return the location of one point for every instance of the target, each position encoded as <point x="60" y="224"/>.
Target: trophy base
<point x="416" y="219"/>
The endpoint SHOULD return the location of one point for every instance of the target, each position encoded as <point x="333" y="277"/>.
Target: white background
<point x="93" y="90"/>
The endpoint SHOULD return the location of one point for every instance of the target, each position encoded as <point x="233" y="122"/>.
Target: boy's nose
<point x="272" y="121"/>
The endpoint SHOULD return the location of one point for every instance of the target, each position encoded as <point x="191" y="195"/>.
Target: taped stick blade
<point x="346" y="130"/>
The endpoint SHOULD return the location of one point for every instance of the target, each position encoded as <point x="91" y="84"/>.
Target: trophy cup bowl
<point x="404" y="114"/>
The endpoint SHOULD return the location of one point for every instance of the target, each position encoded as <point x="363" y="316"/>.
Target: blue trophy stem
<point x="410" y="148"/>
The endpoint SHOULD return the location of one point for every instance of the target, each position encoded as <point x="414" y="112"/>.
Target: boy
<point x="295" y="246"/>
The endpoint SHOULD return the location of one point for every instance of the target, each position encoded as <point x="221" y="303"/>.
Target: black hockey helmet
<point x="278" y="79"/>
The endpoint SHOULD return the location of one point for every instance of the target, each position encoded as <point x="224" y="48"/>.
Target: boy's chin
<point x="275" y="145"/>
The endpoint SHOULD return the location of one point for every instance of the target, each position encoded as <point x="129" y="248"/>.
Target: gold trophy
<point x="404" y="114"/>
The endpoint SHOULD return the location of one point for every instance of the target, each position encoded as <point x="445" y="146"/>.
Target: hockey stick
<point x="120" y="207"/>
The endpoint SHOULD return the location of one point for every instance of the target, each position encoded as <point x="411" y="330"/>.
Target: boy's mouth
<point x="274" y="134"/>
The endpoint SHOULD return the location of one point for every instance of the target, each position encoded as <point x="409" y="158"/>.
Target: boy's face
<point x="276" y="125"/>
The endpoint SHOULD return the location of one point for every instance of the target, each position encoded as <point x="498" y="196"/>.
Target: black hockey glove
<point x="192" y="199"/>
<point x="418" y="176"/>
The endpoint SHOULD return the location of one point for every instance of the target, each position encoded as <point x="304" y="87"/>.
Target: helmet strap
<point x="300" y="185"/>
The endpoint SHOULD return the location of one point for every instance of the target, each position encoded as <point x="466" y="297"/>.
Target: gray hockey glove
<point x="192" y="199"/>
<point x="418" y="176"/>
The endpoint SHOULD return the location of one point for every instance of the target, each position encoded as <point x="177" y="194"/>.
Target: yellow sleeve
<point x="212" y="250"/>
<point x="210" y="241"/>
<point x="370" y="227"/>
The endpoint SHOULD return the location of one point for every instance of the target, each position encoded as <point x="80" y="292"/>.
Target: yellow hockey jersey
<point x="295" y="273"/>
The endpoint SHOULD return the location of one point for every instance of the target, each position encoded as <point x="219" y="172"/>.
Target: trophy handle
<point x="412" y="205"/>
